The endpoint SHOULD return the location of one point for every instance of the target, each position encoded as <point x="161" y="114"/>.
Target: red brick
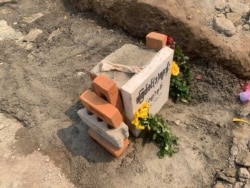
<point x="107" y="89"/>
<point x="109" y="147"/>
<point x="101" y="108"/>
<point x="156" y="40"/>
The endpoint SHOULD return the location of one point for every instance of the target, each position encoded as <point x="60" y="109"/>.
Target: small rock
<point x="243" y="158"/>
<point x="239" y="28"/>
<point x="222" y="176"/>
<point x="234" y="17"/>
<point x="234" y="150"/>
<point x="220" y="5"/>
<point x="47" y="160"/>
<point x="81" y="73"/>
<point x="239" y="8"/>
<point x="247" y="185"/>
<point x="33" y="34"/>
<point x="246" y="27"/>
<point x="33" y="17"/>
<point x="177" y="122"/>
<point x="243" y="173"/>
<point x="230" y="172"/>
<point x="238" y="185"/>
<point x="225" y="26"/>
<point x="219" y="185"/>
<point x="243" y="180"/>
<point x="227" y="9"/>
<point x="189" y="16"/>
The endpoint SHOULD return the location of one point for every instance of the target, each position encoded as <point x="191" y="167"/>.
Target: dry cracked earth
<point x="47" y="50"/>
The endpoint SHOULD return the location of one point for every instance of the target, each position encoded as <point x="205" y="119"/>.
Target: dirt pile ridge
<point x="191" y="24"/>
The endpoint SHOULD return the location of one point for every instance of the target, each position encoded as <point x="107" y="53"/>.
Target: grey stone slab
<point x="114" y="136"/>
<point x="128" y="55"/>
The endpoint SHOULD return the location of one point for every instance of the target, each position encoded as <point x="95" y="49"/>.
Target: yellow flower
<point x="140" y="127"/>
<point x="175" y="69"/>
<point x="135" y="122"/>
<point x="143" y="110"/>
<point x="142" y="113"/>
<point x="145" y="105"/>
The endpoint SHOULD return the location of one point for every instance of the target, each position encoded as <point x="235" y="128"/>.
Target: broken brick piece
<point x="101" y="108"/>
<point x="107" y="89"/>
<point x="156" y="40"/>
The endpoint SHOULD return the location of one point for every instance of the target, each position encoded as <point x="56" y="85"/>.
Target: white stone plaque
<point x="151" y="84"/>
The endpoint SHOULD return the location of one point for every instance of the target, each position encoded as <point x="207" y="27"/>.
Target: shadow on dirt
<point x="6" y="3"/>
<point x="68" y="6"/>
<point x="78" y="142"/>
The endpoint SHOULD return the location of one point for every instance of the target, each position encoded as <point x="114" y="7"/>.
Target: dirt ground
<point x="42" y="140"/>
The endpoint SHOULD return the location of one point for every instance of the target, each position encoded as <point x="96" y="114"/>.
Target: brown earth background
<point x="44" y="65"/>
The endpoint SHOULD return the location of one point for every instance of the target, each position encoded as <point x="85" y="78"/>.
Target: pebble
<point x="2" y="126"/>
<point x="243" y="173"/>
<point x="47" y="160"/>
<point x="243" y="158"/>
<point x="81" y="73"/>
<point x="177" y="122"/>
<point x="230" y="172"/>
<point x="239" y="8"/>
<point x="235" y="18"/>
<point x="238" y="185"/>
<point x="236" y="12"/>
<point x="220" y="5"/>
<point x="234" y="150"/>
<point x="219" y="185"/>
<point x="222" y="176"/>
<point x="225" y="26"/>
<point x="246" y="27"/>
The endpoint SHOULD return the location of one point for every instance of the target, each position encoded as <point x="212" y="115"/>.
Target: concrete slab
<point x="128" y="55"/>
<point x="115" y="136"/>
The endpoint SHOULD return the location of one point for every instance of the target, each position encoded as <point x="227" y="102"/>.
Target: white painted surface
<point x="151" y="84"/>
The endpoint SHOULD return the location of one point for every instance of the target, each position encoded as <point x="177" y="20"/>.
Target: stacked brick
<point x="104" y="112"/>
<point x="103" y="115"/>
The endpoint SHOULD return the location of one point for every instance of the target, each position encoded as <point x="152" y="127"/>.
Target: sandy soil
<point x="44" y="143"/>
